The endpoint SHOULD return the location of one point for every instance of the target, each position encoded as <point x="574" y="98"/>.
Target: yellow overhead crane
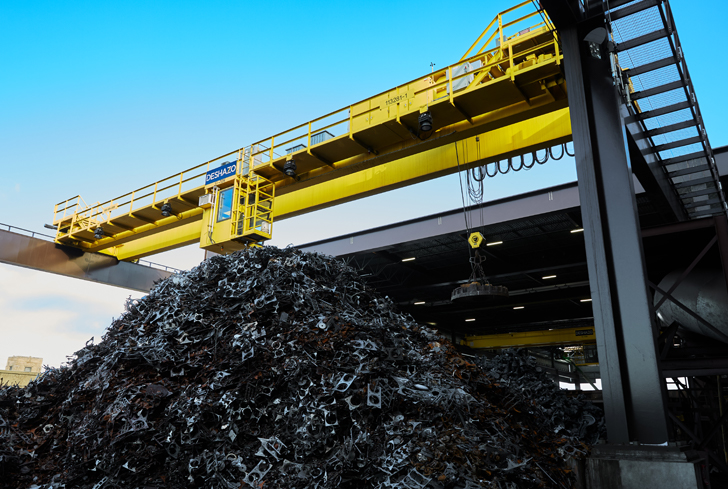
<point x="505" y="96"/>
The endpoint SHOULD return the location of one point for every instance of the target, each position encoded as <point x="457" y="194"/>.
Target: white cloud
<point x="50" y="316"/>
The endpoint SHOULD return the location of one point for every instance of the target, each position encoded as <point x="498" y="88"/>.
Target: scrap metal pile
<point x="274" y="368"/>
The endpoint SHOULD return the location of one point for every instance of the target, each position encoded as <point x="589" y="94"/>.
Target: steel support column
<point x="634" y="396"/>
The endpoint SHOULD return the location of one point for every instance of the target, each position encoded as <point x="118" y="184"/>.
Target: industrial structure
<point x="21" y="370"/>
<point x="585" y="261"/>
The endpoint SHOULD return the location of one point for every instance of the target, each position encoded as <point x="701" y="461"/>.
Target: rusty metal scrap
<point x="274" y="368"/>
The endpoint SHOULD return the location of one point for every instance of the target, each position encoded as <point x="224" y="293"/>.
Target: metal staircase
<point x="661" y="100"/>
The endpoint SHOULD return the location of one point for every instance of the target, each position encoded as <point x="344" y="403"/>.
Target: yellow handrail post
<point x="510" y="59"/>
<point x="500" y="31"/>
<point x="154" y="197"/>
<point x="449" y="81"/>
<point x="272" y="143"/>
<point x="351" y="125"/>
<point x="181" y="177"/>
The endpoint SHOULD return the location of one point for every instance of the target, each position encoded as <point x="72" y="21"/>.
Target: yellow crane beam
<point x="505" y="96"/>
<point x="543" y="131"/>
<point x="555" y="337"/>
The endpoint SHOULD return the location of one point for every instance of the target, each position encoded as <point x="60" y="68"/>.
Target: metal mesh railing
<point x="648" y="36"/>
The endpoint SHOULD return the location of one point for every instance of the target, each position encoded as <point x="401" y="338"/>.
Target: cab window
<point x="225" y="204"/>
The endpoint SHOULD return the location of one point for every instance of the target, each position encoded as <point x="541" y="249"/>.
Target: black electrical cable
<point x="486" y="169"/>
<point x="510" y="164"/>
<point x="533" y="161"/>
<point x="566" y="148"/>
<point x="481" y="171"/>
<point x="508" y="167"/>
<point x="551" y="154"/>
<point x="462" y="191"/>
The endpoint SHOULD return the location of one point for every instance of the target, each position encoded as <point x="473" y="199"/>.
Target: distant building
<point x="21" y="370"/>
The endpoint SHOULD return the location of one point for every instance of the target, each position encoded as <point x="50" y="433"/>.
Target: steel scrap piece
<point x="277" y="368"/>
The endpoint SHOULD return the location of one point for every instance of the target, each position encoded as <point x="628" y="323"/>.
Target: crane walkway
<point x="662" y="102"/>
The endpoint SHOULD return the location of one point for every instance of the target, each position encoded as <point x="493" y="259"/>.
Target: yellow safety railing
<point x="494" y="48"/>
<point x="253" y="209"/>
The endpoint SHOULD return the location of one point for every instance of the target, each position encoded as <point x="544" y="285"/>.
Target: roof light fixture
<point x="166" y="209"/>
<point x="519" y="307"/>
<point x="409" y="259"/>
<point x="419" y="303"/>
<point x="425" y="121"/>
<point x="548" y="277"/>
<point x="493" y="243"/>
<point x="470" y="320"/>
<point x="579" y="230"/>
<point x="289" y="168"/>
<point x="585" y="300"/>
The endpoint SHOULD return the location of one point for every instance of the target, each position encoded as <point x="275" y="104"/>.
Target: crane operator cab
<point x="237" y="208"/>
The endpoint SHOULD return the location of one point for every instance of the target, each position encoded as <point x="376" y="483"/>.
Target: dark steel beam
<point x="634" y="396"/>
<point x="689" y="171"/>
<point x="655" y="65"/>
<point x="651" y="174"/>
<point x="678" y="227"/>
<point x="639" y="41"/>
<point x="633" y="9"/>
<point x="694" y="367"/>
<point x="544" y="201"/>
<point x="38" y="254"/>
<point x="658" y="112"/>
<point x="671" y="128"/>
<point x="680" y="159"/>
<point x="695" y="181"/>
<point x="721" y="231"/>
<point x="657" y="90"/>
<point x="678" y="144"/>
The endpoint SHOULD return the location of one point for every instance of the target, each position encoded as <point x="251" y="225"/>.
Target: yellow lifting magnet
<point x="475" y="239"/>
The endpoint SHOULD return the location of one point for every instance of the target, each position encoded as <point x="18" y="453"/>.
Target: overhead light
<point x="585" y="300"/>
<point x="166" y="209"/>
<point x="470" y="320"/>
<point x="289" y="168"/>
<point x="409" y="259"/>
<point x="99" y="232"/>
<point x="425" y="121"/>
<point x="493" y="243"/>
<point x="580" y="230"/>
<point x="519" y="307"/>
<point x="548" y="277"/>
<point x="419" y="303"/>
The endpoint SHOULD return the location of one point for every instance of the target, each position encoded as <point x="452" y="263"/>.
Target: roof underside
<point x="533" y="247"/>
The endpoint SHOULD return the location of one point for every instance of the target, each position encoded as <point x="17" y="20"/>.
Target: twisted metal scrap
<point x="274" y="368"/>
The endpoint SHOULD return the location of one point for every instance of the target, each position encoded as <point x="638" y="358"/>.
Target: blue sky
<point x="99" y="98"/>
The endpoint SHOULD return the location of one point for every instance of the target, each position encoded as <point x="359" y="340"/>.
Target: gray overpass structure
<point x="38" y="252"/>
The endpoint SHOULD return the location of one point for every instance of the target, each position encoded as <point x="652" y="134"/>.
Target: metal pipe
<point x="704" y="292"/>
<point x="720" y="412"/>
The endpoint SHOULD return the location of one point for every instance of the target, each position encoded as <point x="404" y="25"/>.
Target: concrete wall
<point x="24" y="364"/>
<point x="21" y="379"/>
